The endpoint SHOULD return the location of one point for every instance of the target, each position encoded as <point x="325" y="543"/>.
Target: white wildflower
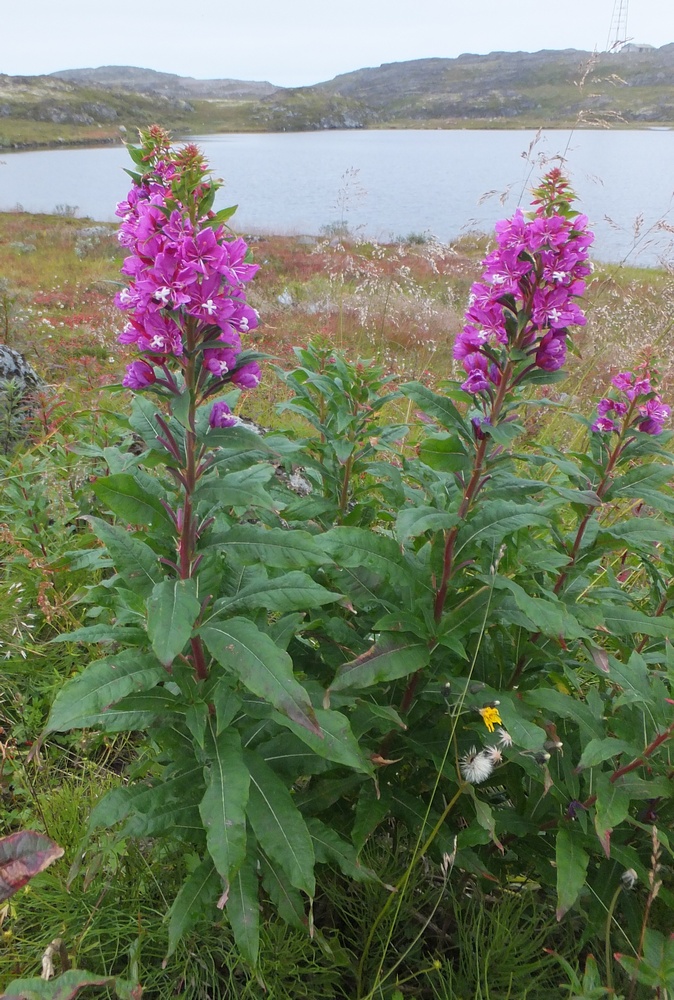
<point x="494" y="754"/>
<point x="475" y="767"/>
<point x="504" y="738"/>
<point x="629" y="878"/>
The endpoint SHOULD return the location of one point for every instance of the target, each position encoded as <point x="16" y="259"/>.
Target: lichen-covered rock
<point x="14" y="366"/>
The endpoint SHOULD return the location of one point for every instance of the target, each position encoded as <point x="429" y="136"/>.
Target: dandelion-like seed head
<point x="475" y="766"/>
<point x="629" y="878"/>
<point x="494" y="754"/>
<point x="504" y="737"/>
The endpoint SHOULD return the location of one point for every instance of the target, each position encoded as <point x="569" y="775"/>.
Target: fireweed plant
<point x="201" y="608"/>
<point x="481" y="662"/>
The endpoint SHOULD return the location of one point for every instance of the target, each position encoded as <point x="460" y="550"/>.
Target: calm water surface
<point x="386" y="184"/>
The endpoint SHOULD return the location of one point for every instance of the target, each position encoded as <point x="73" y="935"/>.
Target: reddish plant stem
<point x="469" y="494"/>
<point x="187" y="537"/>
<point x="474" y="484"/>
<point x="637" y="762"/>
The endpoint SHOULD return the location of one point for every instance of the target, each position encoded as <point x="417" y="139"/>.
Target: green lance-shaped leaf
<point x="240" y="647"/>
<point x="243" y="908"/>
<point x="572" y="862"/>
<point x="360" y="548"/>
<point x="135" y="561"/>
<point x="656" y="966"/>
<point x="438" y="407"/>
<point x="223" y="807"/>
<point x="276" y="548"/>
<point x="495" y="519"/>
<point x="597" y="751"/>
<point x="414" y="521"/>
<point x="611" y="808"/>
<point x="278" y="825"/>
<point x="394" y="654"/>
<point x="197" y="895"/>
<point x="443" y="452"/>
<point x="127" y="635"/>
<point x="485" y="817"/>
<point x="336" y="741"/>
<point x="124" y="496"/>
<point x="23" y="855"/>
<point x="83" y="702"/>
<point x="288" y="901"/>
<point x="172" y="610"/>
<point x="291" y="592"/>
<point x="244" y="488"/>
<point x="329" y="846"/>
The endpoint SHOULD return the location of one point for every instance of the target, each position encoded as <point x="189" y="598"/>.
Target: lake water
<point x="386" y="184"/>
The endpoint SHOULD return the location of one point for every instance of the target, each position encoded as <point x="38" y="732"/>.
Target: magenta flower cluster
<point x="640" y="407"/>
<point x="526" y="297"/>
<point x="186" y="284"/>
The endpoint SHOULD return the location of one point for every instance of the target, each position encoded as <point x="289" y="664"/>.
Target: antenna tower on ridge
<point x="617" y="35"/>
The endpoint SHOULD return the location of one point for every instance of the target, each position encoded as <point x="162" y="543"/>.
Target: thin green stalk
<point x="607" y="938"/>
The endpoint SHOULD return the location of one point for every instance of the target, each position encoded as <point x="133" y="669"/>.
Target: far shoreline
<point x="458" y="125"/>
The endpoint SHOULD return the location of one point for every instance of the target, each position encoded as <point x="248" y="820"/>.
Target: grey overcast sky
<point x="297" y="42"/>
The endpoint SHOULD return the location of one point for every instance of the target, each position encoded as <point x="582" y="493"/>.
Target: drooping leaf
<point x="172" y="610"/>
<point x="443" y="452"/>
<point x="293" y="591"/>
<point x="572" y="861"/>
<point x="223" y="807"/>
<point x="22" y="856"/>
<point x="362" y="549"/>
<point x="485" y="817"/>
<point x="438" y="407"/>
<point x="336" y="741"/>
<point x="196" y="897"/>
<point x="597" y="751"/>
<point x="278" y="825"/>
<point x="393" y="655"/>
<point x="124" y="496"/>
<point x="261" y="666"/>
<point x="414" y="521"/>
<point x="243" y="488"/>
<point x="329" y="846"/>
<point x="285" y="897"/>
<point x="243" y="909"/>
<point x="135" y="561"/>
<point x="611" y="808"/>
<point x="495" y="519"/>
<point x="83" y="701"/>
<point x="124" y="634"/>
<point x="272" y="547"/>
<point x="656" y="967"/>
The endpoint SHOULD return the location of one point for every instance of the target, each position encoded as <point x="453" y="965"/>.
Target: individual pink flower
<point x="248" y="376"/>
<point x="139" y="375"/>
<point x="222" y="416"/>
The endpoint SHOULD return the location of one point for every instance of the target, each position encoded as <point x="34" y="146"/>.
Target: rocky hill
<point x="500" y="90"/>
<point x="149" y="81"/>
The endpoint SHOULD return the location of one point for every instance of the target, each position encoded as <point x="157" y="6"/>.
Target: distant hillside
<point x="149" y="81"/>
<point x="502" y="88"/>
<point x="499" y="90"/>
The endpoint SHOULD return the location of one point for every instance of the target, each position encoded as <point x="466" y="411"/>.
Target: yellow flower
<point x="490" y="717"/>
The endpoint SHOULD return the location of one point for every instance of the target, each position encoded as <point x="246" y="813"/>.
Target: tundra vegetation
<point x="375" y="703"/>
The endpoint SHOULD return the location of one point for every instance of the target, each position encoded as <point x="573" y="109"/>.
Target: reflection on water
<point x="386" y="184"/>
